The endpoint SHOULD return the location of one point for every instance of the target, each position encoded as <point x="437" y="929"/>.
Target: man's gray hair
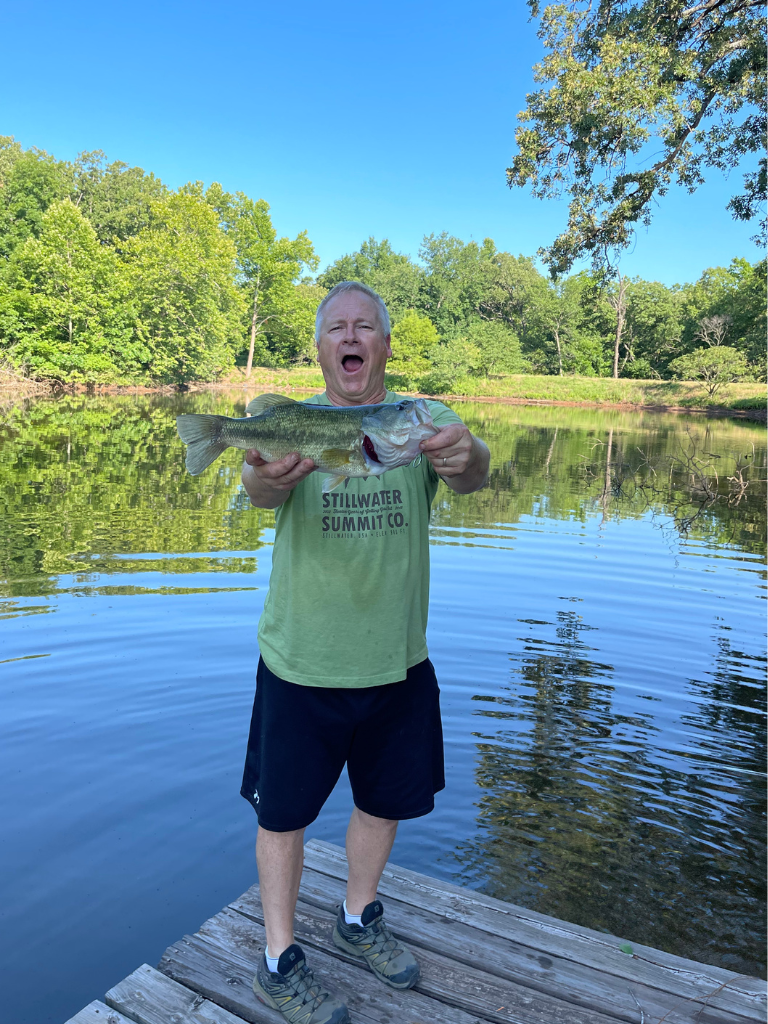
<point x="354" y="286"/>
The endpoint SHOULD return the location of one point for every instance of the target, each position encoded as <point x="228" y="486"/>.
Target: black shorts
<point x="389" y="736"/>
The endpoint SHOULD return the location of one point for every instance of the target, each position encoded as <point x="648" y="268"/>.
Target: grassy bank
<point x="527" y="387"/>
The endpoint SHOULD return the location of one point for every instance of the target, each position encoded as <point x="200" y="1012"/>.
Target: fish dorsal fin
<point x="261" y="403"/>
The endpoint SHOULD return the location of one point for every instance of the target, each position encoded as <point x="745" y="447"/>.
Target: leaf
<point x="626" y="948"/>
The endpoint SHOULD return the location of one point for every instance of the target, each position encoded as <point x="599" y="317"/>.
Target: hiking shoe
<point x="389" y="959"/>
<point x="295" y="993"/>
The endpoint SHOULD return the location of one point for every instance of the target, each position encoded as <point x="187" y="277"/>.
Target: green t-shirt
<point x="349" y="591"/>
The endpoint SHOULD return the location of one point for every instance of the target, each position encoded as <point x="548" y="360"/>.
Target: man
<point x="344" y="675"/>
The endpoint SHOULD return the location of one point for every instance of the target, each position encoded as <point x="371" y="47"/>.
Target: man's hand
<point x="459" y="457"/>
<point x="269" y="483"/>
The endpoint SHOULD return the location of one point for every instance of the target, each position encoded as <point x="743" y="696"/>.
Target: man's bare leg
<point x="280" y="857"/>
<point x="369" y="843"/>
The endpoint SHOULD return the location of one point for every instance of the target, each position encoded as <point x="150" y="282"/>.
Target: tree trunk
<point x="619" y="303"/>
<point x="559" y="353"/>
<point x="254" y="320"/>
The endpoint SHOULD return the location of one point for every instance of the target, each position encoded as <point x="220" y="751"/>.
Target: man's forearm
<point x="475" y="475"/>
<point x="260" y="493"/>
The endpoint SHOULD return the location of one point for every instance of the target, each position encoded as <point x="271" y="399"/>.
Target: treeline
<point x="467" y="309"/>
<point x="107" y="276"/>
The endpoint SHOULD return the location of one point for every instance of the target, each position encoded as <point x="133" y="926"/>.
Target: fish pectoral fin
<point x="335" y="458"/>
<point x="261" y="403"/>
<point x="330" y="483"/>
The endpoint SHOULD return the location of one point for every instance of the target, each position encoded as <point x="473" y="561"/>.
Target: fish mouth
<point x="369" y="450"/>
<point x="352" y="363"/>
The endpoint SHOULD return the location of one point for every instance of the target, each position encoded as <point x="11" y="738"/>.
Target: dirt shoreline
<point x="711" y="412"/>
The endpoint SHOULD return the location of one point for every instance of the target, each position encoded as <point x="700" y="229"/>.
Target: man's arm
<point x="460" y="458"/>
<point x="268" y="484"/>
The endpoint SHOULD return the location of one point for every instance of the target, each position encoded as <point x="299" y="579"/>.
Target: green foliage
<point x="376" y="264"/>
<point x="498" y="347"/>
<point x="29" y="182"/>
<point x="412" y="339"/>
<point x="107" y="276"/>
<point x="451" y="361"/>
<point x="181" y="279"/>
<point x="713" y="366"/>
<point x="62" y="304"/>
<point x="636" y="97"/>
<point x="116" y="199"/>
<point x="653" y="330"/>
<point x="737" y="293"/>
<point x="280" y="319"/>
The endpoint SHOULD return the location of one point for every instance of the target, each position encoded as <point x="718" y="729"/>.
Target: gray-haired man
<point x="344" y="676"/>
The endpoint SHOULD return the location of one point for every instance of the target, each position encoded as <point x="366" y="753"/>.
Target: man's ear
<point x="388" y="343"/>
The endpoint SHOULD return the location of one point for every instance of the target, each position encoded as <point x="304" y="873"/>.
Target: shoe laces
<point x="305" y="987"/>
<point x="384" y="943"/>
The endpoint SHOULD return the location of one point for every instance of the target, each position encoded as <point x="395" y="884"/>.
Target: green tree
<point x="653" y="329"/>
<point x="63" y="311"/>
<point x="513" y="292"/>
<point x="499" y="347"/>
<point x="116" y="198"/>
<point x="455" y="280"/>
<point x="29" y="182"/>
<point x="281" y="321"/>
<point x="412" y="339"/>
<point x="736" y="292"/>
<point x="394" y="276"/>
<point x="713" y="366"/>
<point x="637" y="96"/>
<point x="567" y="344"/>
<point x="181" y="272"/>
<point x="450" y="360"/>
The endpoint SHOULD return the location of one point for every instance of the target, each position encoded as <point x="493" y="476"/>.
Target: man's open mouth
<point x="350" y="364"/>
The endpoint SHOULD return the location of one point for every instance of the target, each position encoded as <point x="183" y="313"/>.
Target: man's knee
<point x="268" y="840"/>
<point x="371" y="821"/>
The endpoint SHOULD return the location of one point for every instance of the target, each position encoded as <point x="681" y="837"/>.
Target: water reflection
<point x="86" y="482"/>
<point x="586" y="815"/>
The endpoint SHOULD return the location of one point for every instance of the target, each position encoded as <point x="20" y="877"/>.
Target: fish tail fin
<point x="201" y="434"/>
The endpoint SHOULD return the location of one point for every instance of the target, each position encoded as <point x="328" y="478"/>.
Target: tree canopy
<point x="637" y="96"/>
<point x="109" y="277"/>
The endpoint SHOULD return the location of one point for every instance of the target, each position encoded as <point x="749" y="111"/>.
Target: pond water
<point x="597" y="626"/>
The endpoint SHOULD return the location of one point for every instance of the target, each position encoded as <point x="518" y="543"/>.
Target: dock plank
<point x="451" y="956"/>
<point x="712" y="988"/>
<point x="220" y="961"/>
<point x="490" y="996"/>
<point x="99" y="1013"/>
<point x="149" y="997"/>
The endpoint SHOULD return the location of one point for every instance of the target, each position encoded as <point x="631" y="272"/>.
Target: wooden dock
<point x="481" y="960"/>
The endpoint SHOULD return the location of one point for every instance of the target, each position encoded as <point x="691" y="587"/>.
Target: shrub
<point x="713" y="366"/>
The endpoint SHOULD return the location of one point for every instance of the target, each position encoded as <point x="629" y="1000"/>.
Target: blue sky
<point x="393" y="120"/>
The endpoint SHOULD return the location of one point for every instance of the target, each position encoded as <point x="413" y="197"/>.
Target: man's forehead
<point x="351" y="304"/>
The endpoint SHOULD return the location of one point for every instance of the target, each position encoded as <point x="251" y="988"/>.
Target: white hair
<point x="353" y="286"/>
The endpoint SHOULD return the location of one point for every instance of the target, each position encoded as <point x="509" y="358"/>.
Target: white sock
<point x="352" y="918"/>
<point x="271" y="961"/>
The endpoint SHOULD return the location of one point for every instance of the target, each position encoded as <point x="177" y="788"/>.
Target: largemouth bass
<point x="345" y="441"/>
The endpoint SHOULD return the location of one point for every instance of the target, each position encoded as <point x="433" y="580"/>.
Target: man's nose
<point x="349" y="333"/>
